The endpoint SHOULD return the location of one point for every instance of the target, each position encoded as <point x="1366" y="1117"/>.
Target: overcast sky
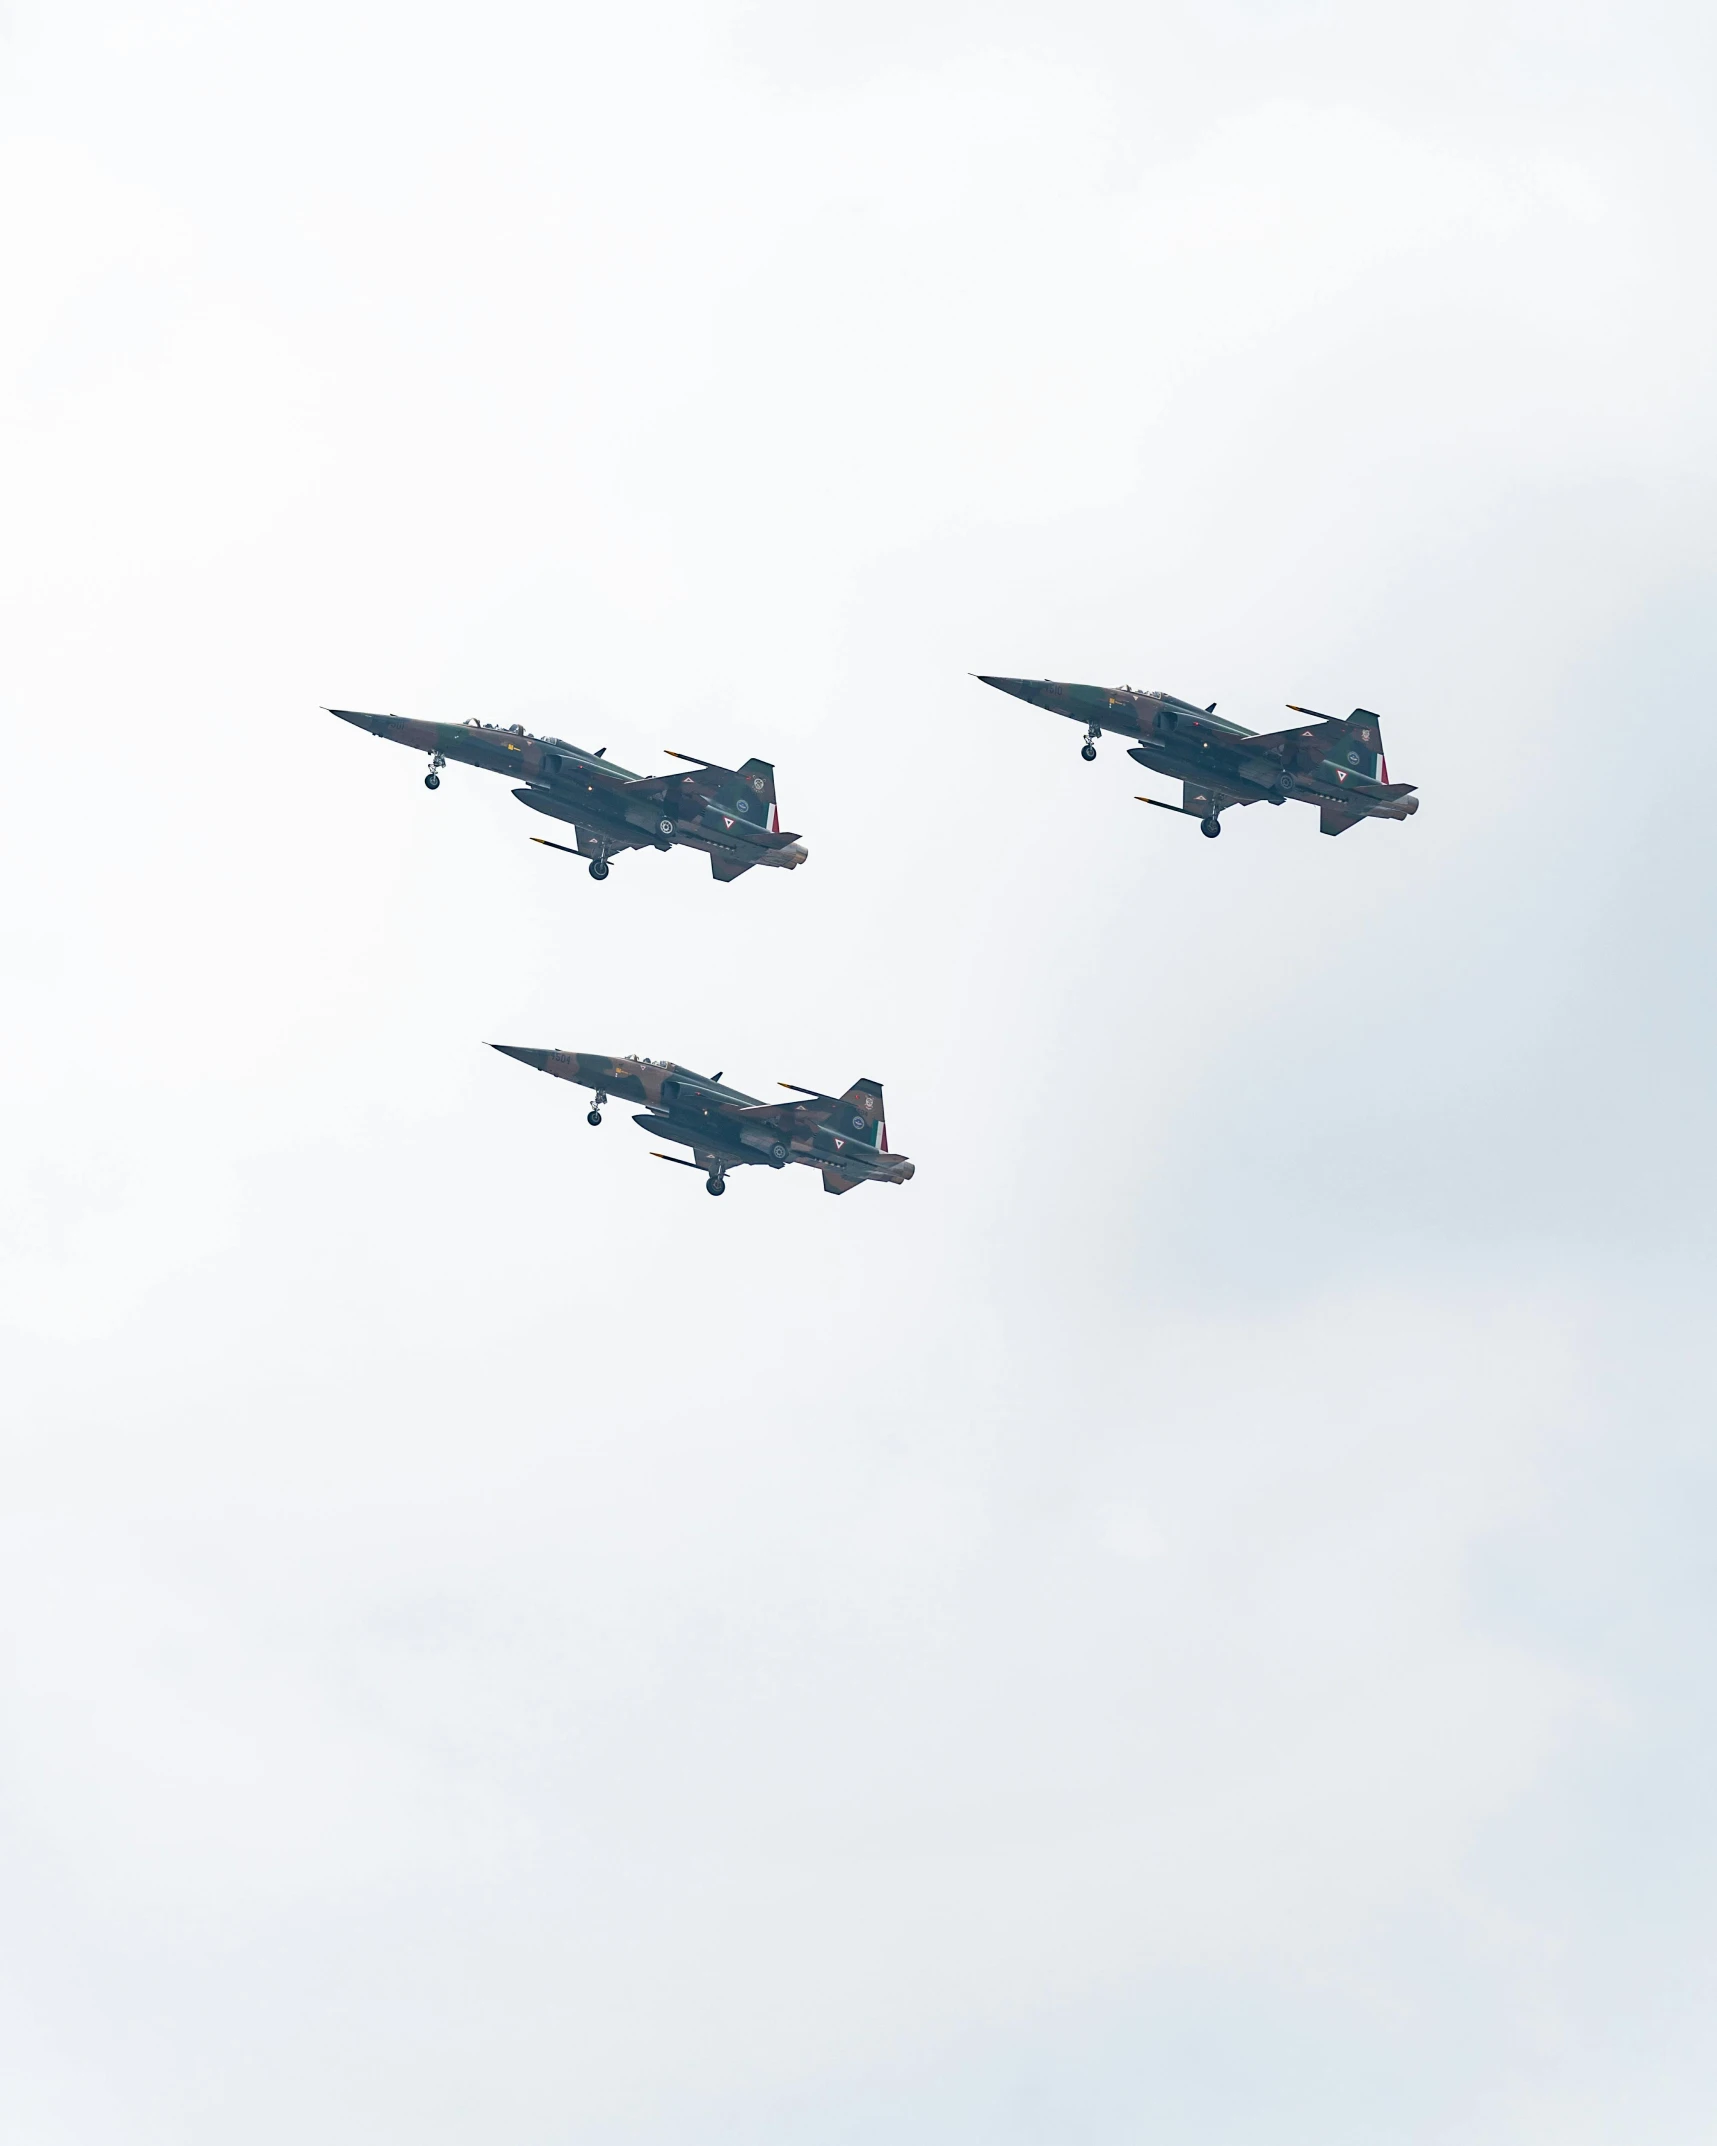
<point x="1191" y="1620"/>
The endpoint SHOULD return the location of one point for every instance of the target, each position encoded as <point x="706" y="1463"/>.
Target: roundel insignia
<point x="742" y="804"/>
<point x="1353" y="760"/>
<point x="757" y="784"/>
<point x="858" y="1123"/>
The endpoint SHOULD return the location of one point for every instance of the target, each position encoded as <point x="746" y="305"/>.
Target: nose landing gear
<point x="1088" y="751"/>
<point x="432" y="781"/>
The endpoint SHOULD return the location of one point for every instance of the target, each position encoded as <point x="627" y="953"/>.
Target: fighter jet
<point x="843" y="1136"/>
<point x="727" y="812"/>
<point x="1333" y="762"/>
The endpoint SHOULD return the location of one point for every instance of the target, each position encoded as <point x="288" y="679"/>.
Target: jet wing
<point x="644" y="785"/>
<point x="1199" y="797"/>
<point x="595" y="842"/>
<point x="1302" y="748"/>
<point x="1324" y="737"/>
<point x="792" y="1117"/>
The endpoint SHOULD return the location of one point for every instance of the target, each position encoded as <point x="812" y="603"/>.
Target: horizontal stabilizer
<point x="833" y="1181"/>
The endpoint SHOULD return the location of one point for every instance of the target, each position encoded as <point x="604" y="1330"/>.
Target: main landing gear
<point x="599" y="867"/>
<point x="432" y="781"/>
<point x="594" y="1115"/>
<point x="715" y="1184"/>
<point x="1088" y="751"/>
<point x="1211" y="827"/>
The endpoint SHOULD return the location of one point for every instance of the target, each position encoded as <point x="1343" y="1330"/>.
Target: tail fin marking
<point x="859" y="1115"/>
<point x="1362" y="748"/>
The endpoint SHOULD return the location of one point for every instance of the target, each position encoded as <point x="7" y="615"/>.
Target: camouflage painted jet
<point x="843" y="1136"/>
<point x="727" y="812"/>
<point x="1334" y="763"/>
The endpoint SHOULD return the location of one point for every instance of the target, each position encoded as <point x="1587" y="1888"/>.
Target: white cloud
<point x="1153" y="1629"/>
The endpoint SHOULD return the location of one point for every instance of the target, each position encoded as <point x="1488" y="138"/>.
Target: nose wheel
<point x="432" y="781"/>
<point x="1088" y="751"/>
<point x="594" y="1115"/>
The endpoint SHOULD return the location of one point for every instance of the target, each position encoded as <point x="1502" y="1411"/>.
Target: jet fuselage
<point x="726" y="813"/>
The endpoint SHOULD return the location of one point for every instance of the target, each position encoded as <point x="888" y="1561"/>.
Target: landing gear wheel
<point x="593" y="1117"/>
<point x="599" y="868"/>
<point x="714" y="1187"/>
<point x="432" y="781"/>
<point x="1088" y="751"/>
<point x="665" y="827"/>
<point x="1211" y="827"/>
<point x="778" y="1153"/>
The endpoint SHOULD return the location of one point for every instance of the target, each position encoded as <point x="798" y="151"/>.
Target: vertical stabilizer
<point x="1362" y="748"/>
<point x="858" y="1115"/>
<point x="757" y="780"/>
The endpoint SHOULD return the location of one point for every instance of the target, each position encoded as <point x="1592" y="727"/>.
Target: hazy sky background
<point x="1191" y="1620"/>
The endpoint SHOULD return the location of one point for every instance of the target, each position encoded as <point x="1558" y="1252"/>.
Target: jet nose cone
<point x="1041" y="692"/>
<point x="351" y="715"/>
<point x="525" y="1054"/>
